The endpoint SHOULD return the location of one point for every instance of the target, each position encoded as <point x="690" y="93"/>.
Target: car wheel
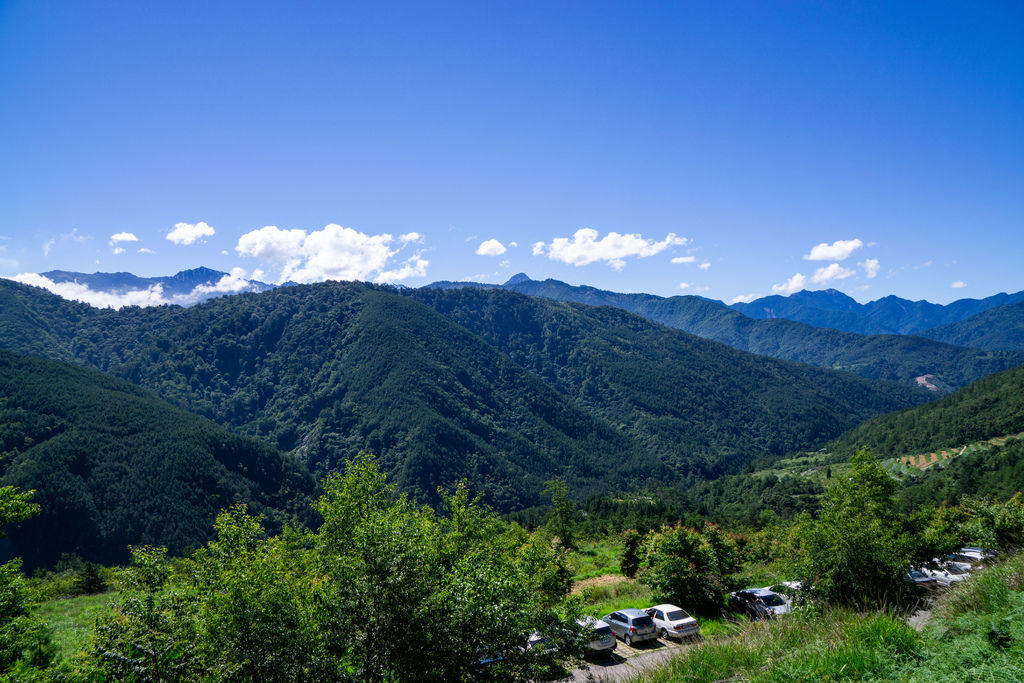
<point x="664" y="634"/>
<point x="627" y="640"/>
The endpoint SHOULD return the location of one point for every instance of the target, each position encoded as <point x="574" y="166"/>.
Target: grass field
<point x="71" y="620"/>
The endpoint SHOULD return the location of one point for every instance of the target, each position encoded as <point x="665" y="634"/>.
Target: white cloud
<point x="958" y="284"/>
<point x="188" y="233"/>
<point x="123" y="237"/>
<point x="744" y="298"/>
<point x="506" y="263"/>
<point x="491" y="247"/>
<point x="926" y="264"/>
<point x="704" y="266"/>
<point x="410" y="237"/>
<point x="144" y="250"/>
<point x="793" y="284"/>
<point x="837" y="251"/>
<point x="684" y="259"/>
<point x="412" y="267"/>
<point x="151" y="296"/>
<point x="333" y="253"/>
<point x="833" y="271"/>
<point x="584" y="247"/>
<point x="870" y="267"/>
<point x="685" y="285"/>
<point x="118" y="250"/>
<point x="258" y="274"/>
<point x="513" y="245"/>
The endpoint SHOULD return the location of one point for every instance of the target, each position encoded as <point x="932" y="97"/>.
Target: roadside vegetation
<point x="387" y="589"/>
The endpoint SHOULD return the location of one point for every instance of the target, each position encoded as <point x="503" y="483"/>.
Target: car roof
<point x="665" y="607"/>
<point x="588" y="620"/>
<point x="633" y="612"/>
<point x="759" y="592"/>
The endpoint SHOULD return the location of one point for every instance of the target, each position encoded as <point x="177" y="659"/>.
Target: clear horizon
<point x="721" y="150"/>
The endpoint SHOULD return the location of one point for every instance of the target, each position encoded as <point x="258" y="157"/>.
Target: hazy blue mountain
<point x="890" y="314"/>
<point x="997" y="328"/>
<point x="183" y="284"/>
<point x="828" y="308"/>
<point x="900" y="358"/>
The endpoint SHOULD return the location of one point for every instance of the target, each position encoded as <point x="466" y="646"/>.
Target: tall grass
<point x="976" y="634"/>
<point x="803" y="646"/>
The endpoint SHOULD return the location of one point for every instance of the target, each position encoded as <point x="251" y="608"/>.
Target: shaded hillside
<point x="994" y="329"/>
<point x="990" y="407"/>
<point x="668" y="389"/>
<point x="898" y="358"/>
<point x="114" y="465"/>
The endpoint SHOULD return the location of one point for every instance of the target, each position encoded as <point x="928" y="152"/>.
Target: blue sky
<point x="630" y="146"/>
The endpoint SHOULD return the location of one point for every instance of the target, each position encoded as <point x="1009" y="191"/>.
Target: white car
<point x="602" y="640"/>
<point x="673" y="622"/>
<point x="946" y="575"/>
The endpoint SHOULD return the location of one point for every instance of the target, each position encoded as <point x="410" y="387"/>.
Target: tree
<point x="562" y="522"/>
<point x="691" y="568"/>
<point x="859" y="547"/>
<point x="631" y="542"/>
<point x="24" y="640"/>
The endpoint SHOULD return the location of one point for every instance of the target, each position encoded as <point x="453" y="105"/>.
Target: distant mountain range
<point x="187" y="287"/>
<point x="888" y="315"/>
<point x="902" y="358"/>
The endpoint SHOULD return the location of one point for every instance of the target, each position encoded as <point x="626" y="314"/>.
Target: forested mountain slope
<point x="898" y="358"/>
<point x="994" y="329"/>
<point x="993" y="406"/>
<point x="114" y="465"/>
<point x="330" y="370"/>
<point x="506" y="392"/>
<point x="663" y="386"/>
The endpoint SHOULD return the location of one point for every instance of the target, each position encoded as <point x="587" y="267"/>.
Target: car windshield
<point x="676" y="615"/>
<point x="772" y="600"/>
<point x="642" y="621"/>
<point x="604" y="631"/>
<point x="953" y="569"/>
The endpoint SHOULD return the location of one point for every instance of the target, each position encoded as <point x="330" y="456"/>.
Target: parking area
<point x="628" y="660"/>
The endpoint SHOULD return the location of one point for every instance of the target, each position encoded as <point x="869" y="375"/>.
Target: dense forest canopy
<point x="504" y="391"/>
<point x="112" y="464"/>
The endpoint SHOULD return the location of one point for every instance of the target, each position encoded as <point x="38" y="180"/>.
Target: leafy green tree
<point x="691" y="568"/>
<point x="859" y="547"/>
<point x="631" y="543"/>
<point x="563" y="520"/>
<point x="150" y="634"/>
<point x="24" y="640"/>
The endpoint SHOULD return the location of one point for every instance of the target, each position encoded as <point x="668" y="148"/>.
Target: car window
<point x="643" y="621"/>
<point x="617" y="617"/>
<point x="677" y="615"/>
<point x="772" y="600"/>
<point x="604" y="631"/>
